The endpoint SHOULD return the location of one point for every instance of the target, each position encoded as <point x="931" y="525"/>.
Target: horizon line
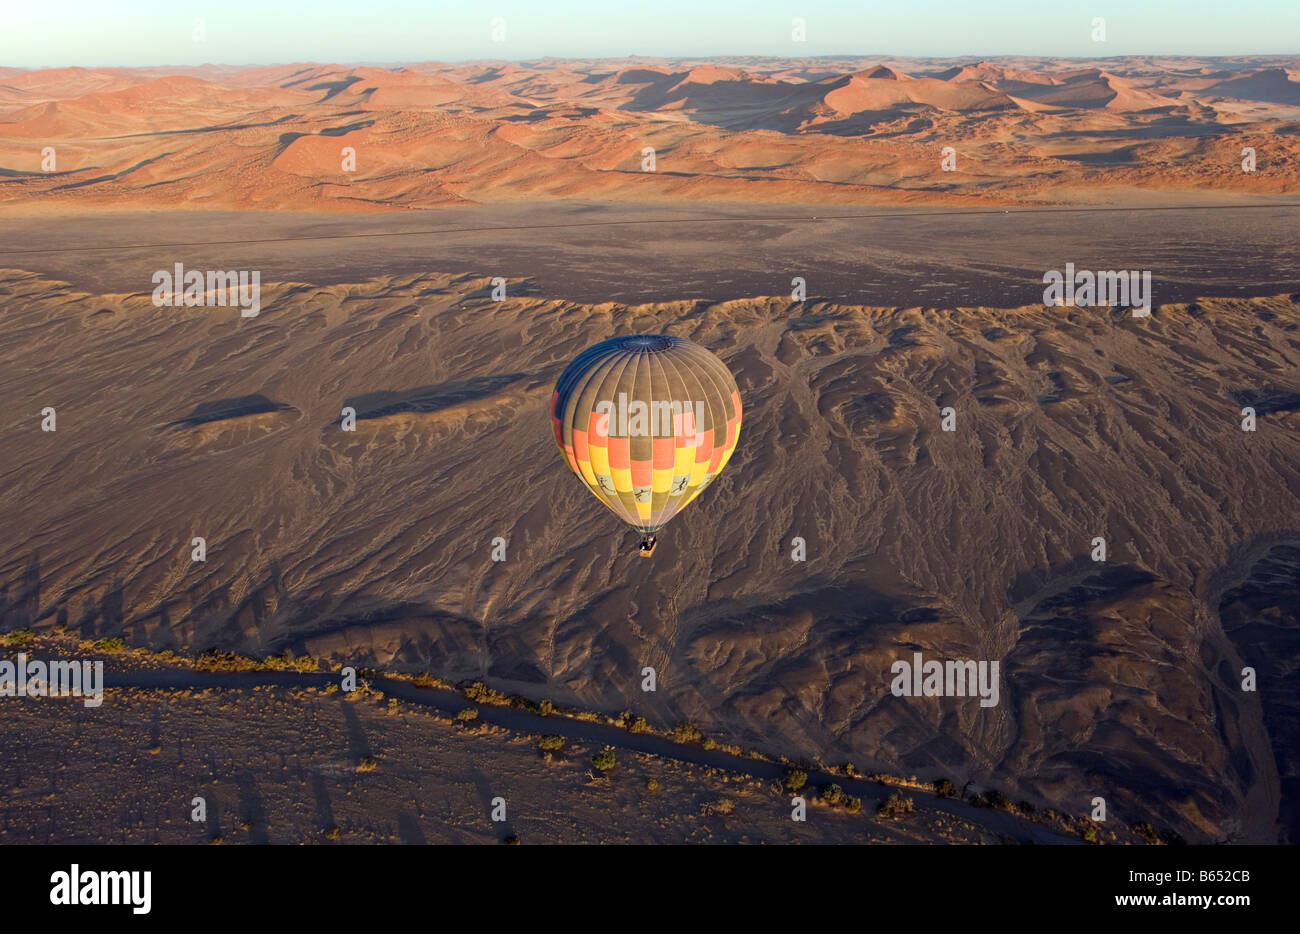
<point x="675" y="58"/>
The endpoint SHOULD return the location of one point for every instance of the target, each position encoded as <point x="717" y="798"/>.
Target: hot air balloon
<point x="646" y="421"/>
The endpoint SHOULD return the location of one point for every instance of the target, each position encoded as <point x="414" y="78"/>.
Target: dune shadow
<point x="224" y="409"/>
<point x="217" y="128"/>
<point x="426" y="399"/>
<point x="333" y="87"/>
<point x="113" y="177"/>
<point x="1265" y="401"/>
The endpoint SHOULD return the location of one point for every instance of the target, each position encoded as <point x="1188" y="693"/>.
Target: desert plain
<point x="373" y="548"/>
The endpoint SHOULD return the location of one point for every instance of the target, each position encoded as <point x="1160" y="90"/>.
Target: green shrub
<point x="896" y="805"/>
<point x="721" y="806"/>
<point x="603" y="761"/>
<point x="480" y="693"/>
<point x="996" y="799"/>
<point x="1146" y="832"/>
<point x="794" y="778"/>
<point x="633" y="723"/>
<point x="550" y="742"/>
<point x="687" y="733"/>
<point x="945" y="789"/>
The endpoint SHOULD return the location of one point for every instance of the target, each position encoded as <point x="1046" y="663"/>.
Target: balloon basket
<point x="648" y="547"/>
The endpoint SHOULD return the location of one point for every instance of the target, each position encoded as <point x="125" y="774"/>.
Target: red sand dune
<point x="820" y="131"/>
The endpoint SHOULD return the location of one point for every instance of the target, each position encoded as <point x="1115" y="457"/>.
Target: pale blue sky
<point x="159" y="32"/>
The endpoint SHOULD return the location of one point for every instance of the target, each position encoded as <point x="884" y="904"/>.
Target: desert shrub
<point x="305" y="663"/>
<point x="1090" y="833"/>
<point x="368" y="764"/>
<point x="652" y="784"/>
<point x="546" y="708"/>
<point x="550" y="742"/>
<point x="709" y="743"/>
<point x="944" y="788"/>
<point x="211" y="660"/>
<point x="110" y="645"/>
<point x="512" y="840"/>
<point x="480" y="693"/>
<point x="1146" y="832"/>
<point x="996" y="799"/>
<point x="18" y="637"/>
<point x="896" y="805"/>
<point x="850" y="770"/>
<point x="687" y="733"/>
<point x="603" y="761"/>
<point x="468" y="714"/>
<point x="794" y="778"/>
<point x="833" y="795"/>
<point x="632" y="723"/>
<point x="852" y="804"/>
<point x="721" y="806"/>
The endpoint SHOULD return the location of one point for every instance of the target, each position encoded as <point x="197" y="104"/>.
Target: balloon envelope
<point x="646" y="421"/>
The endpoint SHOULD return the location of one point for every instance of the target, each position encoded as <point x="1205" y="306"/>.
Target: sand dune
<point x="848" y="132"/>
